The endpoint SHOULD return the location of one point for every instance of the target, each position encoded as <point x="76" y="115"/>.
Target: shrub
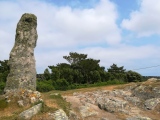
<point x="2" y="85"/>
<point x="3" y="104"/>
<point x="45" y="86"/>
<point x="61" y="84"/>
<point x="133" y="76"/>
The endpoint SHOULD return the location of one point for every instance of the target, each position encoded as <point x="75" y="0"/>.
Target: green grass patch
<point x="62" y="103"/>
<point x="3" y="104"/>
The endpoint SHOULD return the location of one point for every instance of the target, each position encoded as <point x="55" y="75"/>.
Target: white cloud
<point x="121" y="54"/>
<point x="145" y="21"/>
<point x="59" y="27"/>
<point x="64" y="29"/>
<point x="131" y="57"/>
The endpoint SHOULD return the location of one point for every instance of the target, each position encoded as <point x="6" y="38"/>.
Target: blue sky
<point x="124" y="32"/>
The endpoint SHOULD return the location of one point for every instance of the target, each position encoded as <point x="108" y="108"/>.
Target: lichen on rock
<point x="22" y="62"/>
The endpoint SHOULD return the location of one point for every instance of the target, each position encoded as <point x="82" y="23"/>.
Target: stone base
<point x="23" y="97"/>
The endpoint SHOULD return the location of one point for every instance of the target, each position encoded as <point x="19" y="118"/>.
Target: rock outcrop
<point x="22" y="62"/>
<point x="128" y="102"/>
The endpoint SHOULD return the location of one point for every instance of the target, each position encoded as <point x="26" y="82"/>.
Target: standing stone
<point x="22" y="62"/>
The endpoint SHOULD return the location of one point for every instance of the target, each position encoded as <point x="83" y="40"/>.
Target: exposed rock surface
<point x="138" y="118"/>
<point x="129" y="102"/>
<point x="28" y="114"/>
<point x="152" y="103"/>
<point x="87" y="111"/>
<point x="22" y="62"/>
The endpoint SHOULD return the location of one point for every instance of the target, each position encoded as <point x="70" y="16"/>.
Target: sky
<point x="123" y="32"/>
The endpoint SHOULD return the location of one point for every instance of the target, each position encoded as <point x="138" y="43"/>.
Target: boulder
<point x="113" y="104"/>
<point x="150" y="104"/>
<point x="60" y="115"/>
<point x="28" y="114"/>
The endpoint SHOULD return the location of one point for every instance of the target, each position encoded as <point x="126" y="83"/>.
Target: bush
<point x="45" y="86"/>
<point x="2" y="85"/>
<point x="133" y="76"/>
<point x="3" y="104"/>
<point x="115" y="81"/>
<point x="61" y="84"/>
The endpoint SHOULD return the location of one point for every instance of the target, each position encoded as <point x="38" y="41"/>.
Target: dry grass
<point x="83" y="90"/>
<point x="11" y="110"/>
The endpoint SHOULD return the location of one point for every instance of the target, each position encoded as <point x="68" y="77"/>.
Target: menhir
<point x="22" y="62"/>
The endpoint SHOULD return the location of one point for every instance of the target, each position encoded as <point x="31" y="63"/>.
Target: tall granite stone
<point x="22" y="62"/>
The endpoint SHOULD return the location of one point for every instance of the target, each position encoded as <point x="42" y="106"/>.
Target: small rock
<point x="54" y="94"/>
<point x="60" y="115"/>
<point x="20" y="103"/>
<point x="40" y="99"/>
<point x="8" y="101"/>
<point x="38" y="94"/>
<point x="33" y="100"/>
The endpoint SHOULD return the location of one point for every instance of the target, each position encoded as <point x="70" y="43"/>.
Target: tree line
<point x="80" y="71"/>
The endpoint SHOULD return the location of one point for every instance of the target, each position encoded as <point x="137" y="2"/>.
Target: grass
<point x="9" y="111"/>
<point x="62" y="103"/>
<point x="3" y="104"/>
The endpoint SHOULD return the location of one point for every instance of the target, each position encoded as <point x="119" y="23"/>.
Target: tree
<point x="115" y="69"/>
<point x="4" y="70"/>
<point x="133" y="76"/>
<point x="117" y="72"/>
<point x="87" y="66"/>
<point x="95" y="76"/>
<point x="55" y="72"/>
<point x="74" y="57"/>
<point x="47" y="74"/>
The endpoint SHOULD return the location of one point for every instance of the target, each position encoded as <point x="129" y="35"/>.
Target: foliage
<point x="2" y="85"/>
<point x="133" y="76"/>
<point x="4" y="70"/>
<point x="74" y="57"/>
<point x="61" y="84"/>
<point x="44" y="86"/>
<point x="47" y="74"/>
<point x="115" y="69"/>
<point x="117" y="72"/>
